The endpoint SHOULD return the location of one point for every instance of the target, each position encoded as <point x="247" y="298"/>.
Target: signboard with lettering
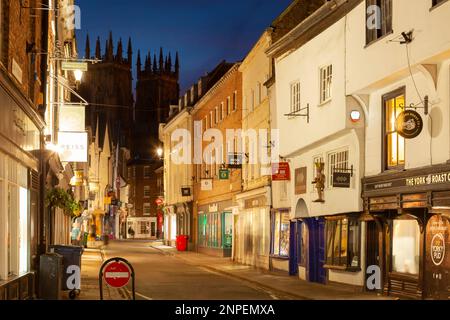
<point x="224" y="174"/>
<point x="300" y="180"/>
<point x="186" y="192"/>
<point x="74" y="146"/>
<point x="72" y="118"/>
<point x="206" y="184"/>
<point x="281" y="171"/>
<point x="235" y="160"/>
<point x="409" y="124"/>
<point x="437" y="257"/>
<point x="341" y="180"/>
<point x="74" y="66"/>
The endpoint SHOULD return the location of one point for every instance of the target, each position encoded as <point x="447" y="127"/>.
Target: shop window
<point x="337" y="161"/>
<point x="378" y="19"/>
<point x="343" y="243"/>
<point x="280" y="232"/>
<point x="326" y="76"/>
<point x="394" y="144"/>
<point x="406" y="247"/>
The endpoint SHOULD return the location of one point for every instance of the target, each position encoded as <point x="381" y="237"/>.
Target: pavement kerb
<point x="257" y="283"/>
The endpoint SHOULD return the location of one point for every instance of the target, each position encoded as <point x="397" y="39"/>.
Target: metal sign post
<point x="117" y="275"/>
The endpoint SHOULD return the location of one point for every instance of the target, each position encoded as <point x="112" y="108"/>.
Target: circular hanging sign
<point x="117" y="274"/>
<point x="438" y="249"/>
<point x="409" y="124"/>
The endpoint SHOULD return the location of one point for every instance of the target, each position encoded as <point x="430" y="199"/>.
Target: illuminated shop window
<point x="280" y="233"/>
<point x="343" y="245"/>
<point x="406" y="247"/>
<point x="394" y="143"/>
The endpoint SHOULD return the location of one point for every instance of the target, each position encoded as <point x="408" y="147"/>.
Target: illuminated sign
<point x="72" y="119"/>
<point x="73" y="146"/>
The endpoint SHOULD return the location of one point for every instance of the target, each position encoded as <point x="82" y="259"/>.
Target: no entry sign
<point x="117" y="274"/>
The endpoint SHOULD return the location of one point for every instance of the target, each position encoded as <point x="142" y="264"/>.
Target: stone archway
<point x="301" y="210"/>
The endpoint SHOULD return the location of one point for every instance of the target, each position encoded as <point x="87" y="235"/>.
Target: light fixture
<point x="159" y="152"/>
<point x="355" y="116"/>
<point x="78" y="75"/>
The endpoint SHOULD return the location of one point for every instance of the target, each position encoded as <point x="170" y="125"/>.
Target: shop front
<point x="170" y="226"/>
<point x="141" y="228"/>
<point x="410" y="212"/>
<point x="21" y="224"/>
<point x="252" y="231"/>
<point x="215" y="229"/>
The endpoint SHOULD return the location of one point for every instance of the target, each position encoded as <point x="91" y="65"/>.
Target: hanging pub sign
<point x="235" y="160"/>
<point x="186" y="192"/>
<point x="224" y="174"/>
<point x="207" y="184"/>
<point x="409" y="124"/>
<point x="74" y="146"/>
<point x="341" y="180"/>
<point x="300" y="180"/>
<point x="281" y="171"/>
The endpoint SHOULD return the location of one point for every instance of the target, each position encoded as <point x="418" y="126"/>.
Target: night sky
<point x="204" y="32"/>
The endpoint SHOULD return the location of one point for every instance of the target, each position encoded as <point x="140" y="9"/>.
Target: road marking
<point x="138" y="294"/>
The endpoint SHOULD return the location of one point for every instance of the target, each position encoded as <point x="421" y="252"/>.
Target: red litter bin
<point x="182" y="242"/>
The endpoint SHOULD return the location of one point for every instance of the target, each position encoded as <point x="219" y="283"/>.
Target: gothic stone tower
<point x="108" y="88"/>
<point x="157" y="88"/>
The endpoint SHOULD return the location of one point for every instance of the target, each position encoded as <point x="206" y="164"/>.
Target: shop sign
<point x="78" y="178"/>
<point x="300" y="180"/>
<point x="341" y="180"/>
<point x="281" y="171"/>
<point x="72" y="118"/>
<point x="438" y="249"/>
<point x="255" y="202"/>
<point x="207" y="184"/>
<point x="74" y="66"/>
<point x="235" y="160"/>
<point x="409" y="124"/>
<point x="415" y="181"/>
<point x="186" y="192"/>
<point x="224" y="174"/>
<point x="74" y="146"/>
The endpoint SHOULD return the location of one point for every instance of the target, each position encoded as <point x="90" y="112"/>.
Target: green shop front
<point x="215" y="229"/>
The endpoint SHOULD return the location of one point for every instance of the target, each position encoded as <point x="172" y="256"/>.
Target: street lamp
<point x="159" y="152"/>
<point x="78" y="75"/>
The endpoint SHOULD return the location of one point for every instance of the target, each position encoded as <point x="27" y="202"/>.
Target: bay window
<point x="343" y="243"/>
<point x="406" y="247"/>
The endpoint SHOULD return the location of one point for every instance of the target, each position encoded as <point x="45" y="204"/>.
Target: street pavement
<point x="162" y="273"/>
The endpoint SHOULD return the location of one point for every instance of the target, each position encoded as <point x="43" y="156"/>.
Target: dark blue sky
<point x="203" y="31"/>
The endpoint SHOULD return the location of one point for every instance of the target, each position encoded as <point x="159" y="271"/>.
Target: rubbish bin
<point x="182" y="242"/>
<point x="50" y="276"/>
<point x="71" y="258"/>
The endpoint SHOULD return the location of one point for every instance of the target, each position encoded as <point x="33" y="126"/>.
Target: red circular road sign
<point x="159" y="201"/>
<point x="117" y="274"/>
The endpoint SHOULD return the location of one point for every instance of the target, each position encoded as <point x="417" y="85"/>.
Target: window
<point x="295" y="97"/>
<point x="204" y="124"/>
<point x="147" y="209"/>
<point x="228" y="106"/>
<point x="280" y="240"/>
<point x="216" y="115"/>
<point x="252" y="97"/>
<point x="259" y="93"/>
<point x="434" y="2"/>
<point x="129" y="172"/>
<point x="378" y="20"/>
<point x="337" y="162"/>
<point x="406" y="247"/>
<point x="343" y="243"/>
<point x="235" y="101"/>
<point x="326" y="76"/>
<point x="215" y="230"/>
<point x="146" y="191"/>
<point x="302" y="244"/>
<point x="211" y="119"/>
<point x="394" y="144"/>
<point x="134" y="172"/>
<point x="221" y="112"/>
<point x="147" y="172"/>
<point x="144" y="227"/>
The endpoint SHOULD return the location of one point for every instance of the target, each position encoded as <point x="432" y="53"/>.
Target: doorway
<point x="372" y="248"/>
<point x="316" y="253"/>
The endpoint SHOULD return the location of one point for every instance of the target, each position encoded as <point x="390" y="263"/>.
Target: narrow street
<point x="164" y="277"/>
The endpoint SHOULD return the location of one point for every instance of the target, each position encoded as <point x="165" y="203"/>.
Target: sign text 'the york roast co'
<point x="415" y="181"/>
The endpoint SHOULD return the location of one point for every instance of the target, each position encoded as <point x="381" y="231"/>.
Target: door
<point x="372" y="247"/>
<point x="316" y="271"/>
<point x="293" y="249"/>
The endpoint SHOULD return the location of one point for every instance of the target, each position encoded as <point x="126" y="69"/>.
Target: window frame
<point x="373" y="36"/>
<point x="145" y="189"/>
<point x="147" y="169"/>
<point x="384" y="134"/>
<point x="329" y="168"/>
<point x="295" y="104"/>
<point x="146" y="205"/>
<point x="274" y="214"/>
<point x="326" y="83"/>
<point x="348" y="265"/>
<point x="234" y="106"/>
